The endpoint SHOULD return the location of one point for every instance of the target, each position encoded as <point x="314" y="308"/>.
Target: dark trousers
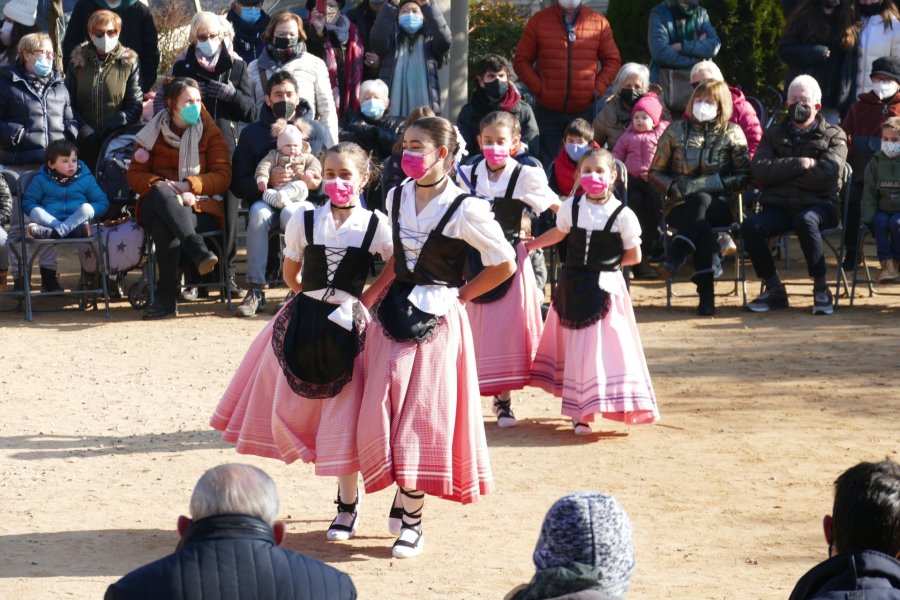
<point x="695" y="220"/>
<point x="172" y="225"/>
<point x="646" y="204"/>
<point x="851" y="227"/>
<point x="806" y="223"/>
<point x="552" y="125"/>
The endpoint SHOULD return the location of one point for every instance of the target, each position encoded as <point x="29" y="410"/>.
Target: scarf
<point x="281" y="56"/>
<point x="340" y="28"/>
<point x="685" y="21"/>
<point x="61" y="179"/>
<point x="345" y="87"/>
<point x="564" y="169"/>
<point x="409" y="83"/>
<point x="188" y="143"/>
<point x="482" y="104"/>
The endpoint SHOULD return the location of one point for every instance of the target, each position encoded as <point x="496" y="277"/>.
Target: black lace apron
<point x="441" y="262"/>
<point x="508" y="212"/>
<point x="579" y="300"/>
<point x="316" y="354"/>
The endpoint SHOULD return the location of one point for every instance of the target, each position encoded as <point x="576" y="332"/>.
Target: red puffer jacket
<point x="561" y="74"/>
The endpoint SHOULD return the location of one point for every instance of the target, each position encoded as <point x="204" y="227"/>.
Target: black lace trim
<point x="587" y="321"/>
<point x="314" y="391"/>
<point x="441" y="323"/>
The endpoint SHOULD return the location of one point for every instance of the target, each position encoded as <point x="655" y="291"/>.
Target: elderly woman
<point x="742" y="114"/>
<point x="412" y="41"/>
<point x="335" y="39"/>
<point x="285" y="50"/>
<point x="699" y="163"/>
<point x="180" y="186"/>
<point x="631" y="82"/>
<point x="104" y="83"/>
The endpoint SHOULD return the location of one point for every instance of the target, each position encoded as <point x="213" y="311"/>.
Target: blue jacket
<point x="861" y="575"/>
<point x="663" y="32"/>
<point x="63" y="200"/>
<point x="233" y="557"/>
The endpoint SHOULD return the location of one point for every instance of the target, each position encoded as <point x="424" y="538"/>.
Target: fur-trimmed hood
<point x="85" y="53"/>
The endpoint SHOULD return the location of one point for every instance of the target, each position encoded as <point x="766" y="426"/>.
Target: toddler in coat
<point x="294" y="154"/>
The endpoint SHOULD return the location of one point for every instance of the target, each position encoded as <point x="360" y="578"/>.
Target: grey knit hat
<point x="593" y="529"/>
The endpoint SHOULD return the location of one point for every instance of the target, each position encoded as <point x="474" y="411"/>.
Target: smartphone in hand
<point x="322" y="7"/>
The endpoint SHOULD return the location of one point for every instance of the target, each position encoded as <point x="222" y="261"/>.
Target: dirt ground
<point x="104" y="432"/>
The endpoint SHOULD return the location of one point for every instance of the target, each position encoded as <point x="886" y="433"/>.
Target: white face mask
<point x="890" y="149"/>
<point x="885" y="89"/>
<point x="6" y="33"/>
<point x="105" y="43"/>
<point x="570" y="4"/>
<point x="705" y="111"/>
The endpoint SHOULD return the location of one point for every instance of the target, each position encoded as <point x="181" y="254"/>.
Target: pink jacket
<point x="636" y="149"/>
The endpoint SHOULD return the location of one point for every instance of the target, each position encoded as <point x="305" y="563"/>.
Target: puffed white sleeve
<point x="383" y="242"/>
<point x="564" y="216"/>
<point x="536" y="193"/>
<point x="294" y="235"/>
<point x="474" y="223"/>
<point x="629" y="228"/>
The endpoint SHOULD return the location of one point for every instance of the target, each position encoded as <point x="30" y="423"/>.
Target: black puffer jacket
<point x="469" y="119"/>
<point x="866" y="575"/>
<point x="784" y="182"/>
<point x="5" y="202"/>
<point x="376" y="137"/>
<point x="31" y="118"/>
<point x="233" y="557"/>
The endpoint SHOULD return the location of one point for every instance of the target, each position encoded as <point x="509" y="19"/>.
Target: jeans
<point x="258" y="226"/>
<point x="552" y="125"/>
<point x="806" y="223"/>
<point x="82" y="214"/>
<point x="886" y="228"/>
<point x="694" y="220"/>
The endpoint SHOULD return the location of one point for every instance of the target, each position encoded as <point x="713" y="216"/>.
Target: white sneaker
<point x="410" y="543"/>
<point x="582" y="428"/>
<point x="503" y="411"/>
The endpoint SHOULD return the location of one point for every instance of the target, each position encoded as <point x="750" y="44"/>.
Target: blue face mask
<point x="43" y="66"/>
<point x="251" y="14"/>
<point x="373" y="108"/>
<point x="208" y="48"/>
<point x="411" y="22"/>
<point x="190" y="113"/>
<point x="576" y="151"/>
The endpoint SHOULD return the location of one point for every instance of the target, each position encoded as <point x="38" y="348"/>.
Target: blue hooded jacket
<point x="63" y="200"/>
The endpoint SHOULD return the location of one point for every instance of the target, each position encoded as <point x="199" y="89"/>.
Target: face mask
<point x="104" y="44"/>
<point x="251" y="14"/>
<point x="209" y="47"/>
<point x="413" y="163"/>
<point x="705" y="111"/>
<point x="594" y="184"/>
<point x="799" y="113"/>
<point x="870" y="10"/>
<point x="6" y="33"/>
<point x="43" y="66"/>
<point x="890" y="149"/>
<point x="496" y="89"/>
<point x="284" y="109"/>
<point x="576" y="151"/>
<point x="373" y="108"/>
<point x="283" y="43"/>
<point x="411" y="22"/>
<point x="190" y="113"/>
<point x="630" y="96"/>
<point x="885" y="89"/>
<point x="340" y="191"/>
<point x="495" y="155"/>
<point x="569" y="4"/>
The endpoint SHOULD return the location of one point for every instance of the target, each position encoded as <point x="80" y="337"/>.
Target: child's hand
<point x="262" y="185"/>
<point x="141" y="155"/>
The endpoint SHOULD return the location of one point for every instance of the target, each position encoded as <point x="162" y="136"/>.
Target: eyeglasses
<point x="108" y="32"/>
<point x="45" y="53"/>
<point x="206" y="37"/>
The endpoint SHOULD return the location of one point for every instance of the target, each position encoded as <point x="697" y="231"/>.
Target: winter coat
<point x="248" y="41"/>
<point x="5" y="202"/>
<point x="700" y="157"/>
<point x="612" y="120"/>
<point x="862" y="574"/>
<point x="637" y="148"/>
<point x="863" y="128"/>
<point x="138" y="33"/>
<point x="375" y="136"/>
<point x="875" y="41"/>
<point x="784" y="183"/>
<point x="574" y="581"/>
<point x="62" y="201"/>
<point x="566" y="77"/>
<point x="386" y="34"/>
<point x="313" y="85"/>
<point x="227" y="115"/>
<point x="31" y="119"/>
<point x="663" y="31"/>
<point x="231" y="557"/>
<point x="116" y="81"/>
<point x="881" y="187"/>
<point x="364" y="17"/>
<point x="744" y="115"/>
<point x="469" y="119"/>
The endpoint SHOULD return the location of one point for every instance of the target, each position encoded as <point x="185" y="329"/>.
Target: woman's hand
<point x="312" y="179"/>
<point x="278" y="176"/>
<point x="317" y="20"/>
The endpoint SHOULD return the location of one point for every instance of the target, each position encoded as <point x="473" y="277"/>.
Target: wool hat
<point x="291" y="134"/>
<point x="590" y="528"/>
<point x="21" y="11"/>
<point x="888" y="66"/>
<point x="650" y="104"/>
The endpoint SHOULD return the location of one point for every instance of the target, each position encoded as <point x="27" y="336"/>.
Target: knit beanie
<point x="593" y="529"/>
<point x="290" y="135"/>
<point x="650" y="104"/>
<point x="21" y="11"/>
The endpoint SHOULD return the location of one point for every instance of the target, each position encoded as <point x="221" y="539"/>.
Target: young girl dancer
<point x="590" y="353"/>
<point x="504" y="361"/>
<point x="297" y="392"/>
<point x="420" y="425"/>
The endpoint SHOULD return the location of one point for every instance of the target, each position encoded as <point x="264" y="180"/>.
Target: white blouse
<point x="531" y="188"/>
<point x="472" y="223"/>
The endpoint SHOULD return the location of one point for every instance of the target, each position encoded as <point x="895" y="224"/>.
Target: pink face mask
<point x="495" y="155"/>
<point x="340" y="191"/>
<point x="413" y="163"/>
<point x="594" y="184"/>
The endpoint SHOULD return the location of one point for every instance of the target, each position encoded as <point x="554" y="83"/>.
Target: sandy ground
<point x="104" y="433"/>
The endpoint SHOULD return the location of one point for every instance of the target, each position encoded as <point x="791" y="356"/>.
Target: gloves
<point x="273" y="198"/>
<point x="85" y="132"/>
<point x="220" y="91"/>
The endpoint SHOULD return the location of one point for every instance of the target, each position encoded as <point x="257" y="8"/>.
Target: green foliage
<point x="495" y="27"/>
<point x="749" y="30"/>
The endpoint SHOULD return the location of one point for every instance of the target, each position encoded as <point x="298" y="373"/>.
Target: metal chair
<point x="870" y="281"/>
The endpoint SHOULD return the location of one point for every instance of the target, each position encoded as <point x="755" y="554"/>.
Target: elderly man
<point x="229" y="549"/>
<point x="798" y="167"/>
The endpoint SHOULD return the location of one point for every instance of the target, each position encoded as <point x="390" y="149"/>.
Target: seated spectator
<point x="5" y="217"/>
<point x="180" y="184"/>
<point x="743" y="113"/>
<point x="584" y="551"/>
<point x="412" y="41"/>
<point x="880" y="209"/>
<point x="798" y="167"/>
<point x="18" y="21"/>
<point x="249" y="21"/>
<point x="577" y="138"/>
<point x="229" y="549"/>
<point x="680" y="35"/>
<point x="334" y="38"/>
<point x="285" y="40"/>
<point x="363" y="16"/>
<point x="863" y="537"/>
<point x="138" y="33"/>
<point x="103" y="80"/>
<point x="495" y="91"/>
<point x="697" y="187"/>
<point x="630" y="84"/>
<point x="392" y="174"/>
<point x="879" y="35"/>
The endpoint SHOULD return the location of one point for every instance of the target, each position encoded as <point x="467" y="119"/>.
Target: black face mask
<point x="284" y="109"/>
<point x="870" y="10"/>
<point x="799" y="113"/>
<point x="496" y="89"/>
<point x="829" y="3"/>
<point x="630" y="96"/>
<point x="284" y="42"/>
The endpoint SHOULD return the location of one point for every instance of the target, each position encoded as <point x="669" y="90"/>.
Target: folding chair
<point x="12" y="241"/>
<point x="869" y="280"/>
<point x="95" y="241"/>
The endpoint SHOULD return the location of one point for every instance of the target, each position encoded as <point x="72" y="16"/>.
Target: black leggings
<point x="695" y="220"/>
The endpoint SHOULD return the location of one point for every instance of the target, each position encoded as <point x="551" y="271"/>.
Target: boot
<point x="707" y="305"/>
<point x="200" y="255"/>
<point x="49" y="281"/>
